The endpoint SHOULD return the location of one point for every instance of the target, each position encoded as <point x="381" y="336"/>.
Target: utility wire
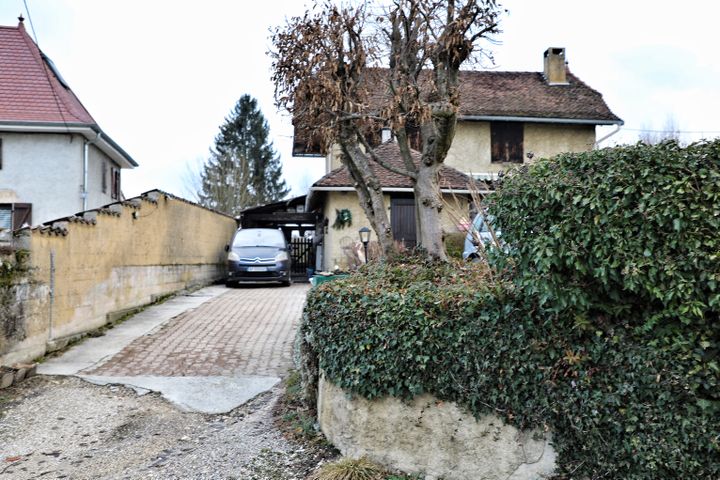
<point x="45" y="69"/>
<point x="32" y="27"/>
<point x="669" y="131"/>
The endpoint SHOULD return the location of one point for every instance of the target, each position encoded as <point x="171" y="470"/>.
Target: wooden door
<point x="402" y="220"/>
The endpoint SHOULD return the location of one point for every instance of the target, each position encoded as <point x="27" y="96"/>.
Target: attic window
<point x="506" y="140"/>
<point x="55" y="71"/>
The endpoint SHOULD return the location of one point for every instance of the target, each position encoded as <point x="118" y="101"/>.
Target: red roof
<point x="30" y="90"/>
<point x="449" y="178"/>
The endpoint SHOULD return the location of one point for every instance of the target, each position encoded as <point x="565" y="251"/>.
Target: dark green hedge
<point x="627" y="235"/>
<point x="583" y="332"/>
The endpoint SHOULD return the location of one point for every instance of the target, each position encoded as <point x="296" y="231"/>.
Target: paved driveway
<point x="210" y="353"/>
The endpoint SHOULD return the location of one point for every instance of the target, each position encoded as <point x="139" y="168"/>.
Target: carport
<point x="299" y="227"/>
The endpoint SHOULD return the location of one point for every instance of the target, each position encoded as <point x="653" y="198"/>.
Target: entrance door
<point x="402" y="220"/>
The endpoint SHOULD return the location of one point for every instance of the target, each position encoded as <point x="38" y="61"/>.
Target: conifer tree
<point x="243" y="169"/>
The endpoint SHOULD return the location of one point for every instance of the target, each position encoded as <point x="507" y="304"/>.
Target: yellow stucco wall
<point x="549" y="140"/>
<point x="122" y="261"/>
<point x="336" y="240"/>
<point x="470" y="151"/>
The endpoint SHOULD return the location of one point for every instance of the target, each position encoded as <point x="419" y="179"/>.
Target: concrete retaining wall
<point x="88" y="269"/>
<point x="432" y="438"/>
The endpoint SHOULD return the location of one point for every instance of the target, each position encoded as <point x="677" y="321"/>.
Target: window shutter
<point x="506" y="142"/>
<point x="22" y="214"/>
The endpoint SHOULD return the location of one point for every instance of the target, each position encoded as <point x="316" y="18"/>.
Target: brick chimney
<point x="554" y="70"/>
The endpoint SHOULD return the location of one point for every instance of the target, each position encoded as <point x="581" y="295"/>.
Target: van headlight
<point x="281" y="257"/>
<point x="233" y="257"/>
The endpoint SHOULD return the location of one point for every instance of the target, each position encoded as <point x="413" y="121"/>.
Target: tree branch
<point x="379" y="161"/>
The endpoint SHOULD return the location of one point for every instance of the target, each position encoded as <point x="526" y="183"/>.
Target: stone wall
<point x="85" y="270"/>
<point x="432" y="438"/>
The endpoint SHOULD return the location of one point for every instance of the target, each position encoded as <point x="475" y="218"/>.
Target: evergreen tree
<point x="243" y="169"/>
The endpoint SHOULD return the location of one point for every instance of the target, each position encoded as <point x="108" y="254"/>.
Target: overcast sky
<point x="160" y="76"/>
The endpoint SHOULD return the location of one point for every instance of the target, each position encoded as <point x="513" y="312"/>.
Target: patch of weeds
<point x="295" y="420"/>
<point x="269" y="465"/>
<point x="297" y="424"/>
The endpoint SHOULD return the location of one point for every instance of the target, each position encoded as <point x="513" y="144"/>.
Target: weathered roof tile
<point x="450" y="178"/>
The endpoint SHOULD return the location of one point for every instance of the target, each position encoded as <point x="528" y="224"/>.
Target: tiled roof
<point x="29" y="89"/>
<point x="502" y="95"/>
<point x="527" y="94"/>
<point x="390" y="153"/>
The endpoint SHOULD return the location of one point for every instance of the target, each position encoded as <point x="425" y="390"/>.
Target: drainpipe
<point x="86" y="159"/>
<point x="617" y="129"/>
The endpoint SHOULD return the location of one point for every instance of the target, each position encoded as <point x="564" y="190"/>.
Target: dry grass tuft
<point x="350" y="469"/>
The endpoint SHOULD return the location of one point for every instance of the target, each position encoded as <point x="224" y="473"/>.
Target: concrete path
<point x="209" y="351"/>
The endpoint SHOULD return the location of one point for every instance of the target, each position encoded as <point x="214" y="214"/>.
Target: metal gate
<point x="302" y="253"/>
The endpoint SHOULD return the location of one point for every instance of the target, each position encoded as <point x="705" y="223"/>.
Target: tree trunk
<point x="370" y="194"/>
<point x="429" y="208"/>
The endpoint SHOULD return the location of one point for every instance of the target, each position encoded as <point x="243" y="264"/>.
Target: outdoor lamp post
<point x="365" y="239"/>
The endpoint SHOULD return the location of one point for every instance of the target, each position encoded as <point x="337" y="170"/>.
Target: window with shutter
<point x="506" y="142"/>
<point x="5" y="217"/>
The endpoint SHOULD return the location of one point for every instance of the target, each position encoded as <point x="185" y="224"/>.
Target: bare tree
<point x="344" y="73"/>
<point x="670" y="131"/>
<point x="191" y="179"/>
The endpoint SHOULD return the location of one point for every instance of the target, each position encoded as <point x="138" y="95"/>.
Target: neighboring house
<point x="54" y="158"/>
<point x="505" y="119"/>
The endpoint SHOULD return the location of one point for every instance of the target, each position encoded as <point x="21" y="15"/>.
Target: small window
<point x="115" y="186"/>
<point x="103" y="178"/>
<point x="507" y="142"/>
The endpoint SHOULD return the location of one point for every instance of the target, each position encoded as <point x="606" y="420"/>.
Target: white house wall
<point x="46" y="170"/>
<point x="96" y="197"/>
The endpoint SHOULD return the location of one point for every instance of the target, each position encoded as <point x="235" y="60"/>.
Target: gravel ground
<point x="64" y="427"/>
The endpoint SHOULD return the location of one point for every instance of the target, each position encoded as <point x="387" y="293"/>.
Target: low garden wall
<point x="85" y="270"/>
<point x="432" y="438"/>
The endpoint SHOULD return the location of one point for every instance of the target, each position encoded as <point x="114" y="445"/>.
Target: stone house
<point x="506" y="119"/>
<point x="55" y="160"/>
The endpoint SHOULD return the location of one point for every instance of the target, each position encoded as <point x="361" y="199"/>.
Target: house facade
<point x="55" y="160"/>
<point x="506" y="119"/>
<point x="334" y="198"/>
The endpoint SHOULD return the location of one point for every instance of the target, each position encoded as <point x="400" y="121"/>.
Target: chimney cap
<point x="554" y="66"/>
<point x="555" y="51"/>
<point x="21" y="19"/>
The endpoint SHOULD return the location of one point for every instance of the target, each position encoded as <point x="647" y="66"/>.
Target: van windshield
<point x="259" y="237"/>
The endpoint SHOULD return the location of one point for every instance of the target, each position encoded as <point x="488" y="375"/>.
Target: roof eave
<point x="509" y="118"/>
<point x="92" y="133"/>
<point x="461" y="191"/>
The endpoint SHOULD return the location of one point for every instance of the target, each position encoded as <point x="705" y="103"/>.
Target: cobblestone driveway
<point x="245" y="331"/>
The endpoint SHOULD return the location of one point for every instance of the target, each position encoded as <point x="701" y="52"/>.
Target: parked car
<point x="258" y="255"/>
<point x="478" y="232"/>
